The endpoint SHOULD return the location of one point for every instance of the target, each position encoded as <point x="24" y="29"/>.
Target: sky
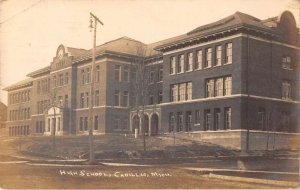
<point x="31" y="30"/>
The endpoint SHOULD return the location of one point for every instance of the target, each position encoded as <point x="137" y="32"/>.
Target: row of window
<point x="264" y="124"/>
<point x="181" y="91"/>
<point x="83" y="123"/>
<point x="124" y="102"/>
<point x="159" y="76"/>
<point x="159" y="98"/>
<point x="19" y="130"/>
<point x="40" y="127"/>
<point x="120" y="123"/>
<point x="61" y="79"/>
<point x="176" y="121"/>
<point x="202" y="59"/>
<point x="19" y="114"/>
<point x="19" y="97"/>
<point x="42" y="106"/>
<point x="43" y="86"/>
<point x="221" y="86"/>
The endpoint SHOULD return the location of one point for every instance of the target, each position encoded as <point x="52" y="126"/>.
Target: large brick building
<point x="237" y="73"/>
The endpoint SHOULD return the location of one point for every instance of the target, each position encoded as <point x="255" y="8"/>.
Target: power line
<point x="24" y="10"/>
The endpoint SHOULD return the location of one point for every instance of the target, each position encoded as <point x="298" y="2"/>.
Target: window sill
<point x="289" y="69"/>
<point x="217" y="65"/>
<point x="189" y="71"/>
<point x="227" y="63"/>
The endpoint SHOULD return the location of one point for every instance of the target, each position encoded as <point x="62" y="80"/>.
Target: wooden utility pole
<point x="94" y="19"/>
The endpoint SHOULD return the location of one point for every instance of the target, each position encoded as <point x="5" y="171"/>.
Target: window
<point x="38" y="87"/>
<point x="286" y="90"/>
<point x="58" y="126"/>
<point x="228" y="53"/>
<point x="188" y="126"/>
<point x="261" y="119"/>
<point x="218" y="60"/>
<point x="160" y="74"/>
<point x="197" y="118"/>
<point x="189" y="90"/>
<point x="227" y="85"/>
<point x="60" y="80"/>
<point x="181" y="64"/>
<point x="207" y="121"/>
<point x="125" y="98"/>
<point x="172" y="65"/>
<point x="160" y="97"/>
<point x="151" y="77"/>
<point x="210" y="88"/>
<point x="81" y="124"/>
<point x="179" y="121"/>
<point x="66" y="78"/>
<point x="286" y="62"/>
<point x="189" y="65"/>
<point x="208" y="56"/>
<point x="117" y="72"/>
<point x="97" y="98"/>
<point x="126" y="73"/>
<point x="82" y="76"/>
<point x="285" y="121"/>
<point x="219" y="87"/>
<point x="66" y="100"/>
<point x="87" y="99"/>
<point x="117" y="98"/>
<point x="96" y="123"/>
<point x="117" y="123"/>
<point x="97" y="78"/>
<point x="124" y="124"/>
<point x="134" y="75"/>
<point x="217" y="119"/>
<point x="133" y="99"/>
<point x="182" y="91"/>
<point x="85" y="123"/>
<point x="174" y="93"/>
<point x="227" y="118"/>
<point x="88" y="75"/>
<point x="82" y="100"/>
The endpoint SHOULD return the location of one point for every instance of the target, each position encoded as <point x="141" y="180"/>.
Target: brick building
<point x="3" y="117"/>
<point x="237" y="73"/>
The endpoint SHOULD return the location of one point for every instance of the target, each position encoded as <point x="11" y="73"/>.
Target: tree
<point x="140" y="85"/>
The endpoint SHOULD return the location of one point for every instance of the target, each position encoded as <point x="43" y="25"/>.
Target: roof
<point x="39" y="71"/>
<point x="75" y="51"/>
<point x="232" y="21"/>
<point x="20" y="84"/>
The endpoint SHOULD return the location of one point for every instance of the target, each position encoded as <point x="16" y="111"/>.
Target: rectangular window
<point x="218" y="60"/>
<point x="81" y="124"/>
<point x="285" y="122"/>
<point x="117" y="123"/>
<point x="97" y="77"/>
<point x="66" y="78"/>
<point x="219" y="87"/>
<point x="197" y="117"/>
<point x="286" y="90"/>
<point x="189" y="89"/>
<point x="125" y="98"/>
<point x="126" y="73"/>
<point x="97" y="98"/>
<point x="117" y="72"/>
<point x="228" y="53"/>
<point x="227" y="118"/>
<point x="160" y="74"/>
<point x="117" y="98"/>
<point x="181" y="64"/>
<point x="38" y="87"/>
<point x="189" y="65"/>
<point x="87" y="99"/>
<point x="188" y="126"/>
<point x="82" y="76"/>
<point x="60" y="80"/>
<point x="227" y="86"/>
<point x="66" y="100"/>
<point x="174" y="93"/>
<point x="96" y="122"/>
<point x="208" y="57"/>
<point x="286" y="62"/>
<point x="179" y="121"/>
<point x="210" y="88"/>
<point x="88" y="75"/>
<point x="82" y="100"/>
<point x="172" y="65"/>
<point x="182" y="91"/>
<point x="261" y="119"/>
<point x="217" y="119"/>
<point x="207" y="121"/>
<point x="86" y="123"/>
<point x="151" y="77"/>
<point x="134" y="75"/>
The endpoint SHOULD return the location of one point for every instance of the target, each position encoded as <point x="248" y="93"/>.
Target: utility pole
<point x="93" y="19"/>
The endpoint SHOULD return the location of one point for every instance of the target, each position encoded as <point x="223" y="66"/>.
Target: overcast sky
<point x="31" y="30"/>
